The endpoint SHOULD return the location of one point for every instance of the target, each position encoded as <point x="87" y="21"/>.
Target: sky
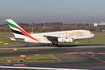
<point x="40" y="11"/>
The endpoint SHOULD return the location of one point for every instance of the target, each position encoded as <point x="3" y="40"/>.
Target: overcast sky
<point x="66" y="11"/>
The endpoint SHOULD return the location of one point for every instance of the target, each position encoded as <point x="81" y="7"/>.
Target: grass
<point x="10" y="50"/>
<point x="41" y="58"/>
<point x="98" y="39"/>
<point x="46" y="56"/>
<point x="4" y="37"/>
<point x="99" y="32"/>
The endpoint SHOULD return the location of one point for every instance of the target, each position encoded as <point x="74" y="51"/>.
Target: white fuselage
<point x="63" y="36"/>
<point x="48" y="37"/>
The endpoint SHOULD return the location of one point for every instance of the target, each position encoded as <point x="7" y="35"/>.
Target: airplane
<point x="51" y="38"/>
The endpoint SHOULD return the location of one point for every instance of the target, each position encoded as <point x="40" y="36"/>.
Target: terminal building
<point x="102" y="23"/>
<point x="99" y="24"/>
<point x="95" y="24"/>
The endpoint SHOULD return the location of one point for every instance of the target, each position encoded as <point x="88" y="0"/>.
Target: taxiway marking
<point x="90" y="56"/>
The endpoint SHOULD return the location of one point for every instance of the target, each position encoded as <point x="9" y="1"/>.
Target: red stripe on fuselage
<point x="26" y="34"/>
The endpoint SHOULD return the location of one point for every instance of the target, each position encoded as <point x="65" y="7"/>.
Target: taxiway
<point x="91" y="61"/>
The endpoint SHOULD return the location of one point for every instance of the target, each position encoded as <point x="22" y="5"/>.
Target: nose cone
<point x="92" y="35"/>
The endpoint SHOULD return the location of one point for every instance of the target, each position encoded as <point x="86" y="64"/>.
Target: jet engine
<point x="65" y="39"/>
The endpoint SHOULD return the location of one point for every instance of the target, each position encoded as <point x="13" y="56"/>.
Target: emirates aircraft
<point x="51" y="38"/>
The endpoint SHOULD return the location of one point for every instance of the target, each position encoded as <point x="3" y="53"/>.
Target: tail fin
<point x="17" y="30"/>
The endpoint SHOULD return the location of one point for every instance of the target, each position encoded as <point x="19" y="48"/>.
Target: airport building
<point x="102" y="23"/>
<point x="99" y="24"/>
<point x="95" y="24"/>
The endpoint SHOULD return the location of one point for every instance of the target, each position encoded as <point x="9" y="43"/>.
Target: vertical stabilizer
<point x="17" y="30"/>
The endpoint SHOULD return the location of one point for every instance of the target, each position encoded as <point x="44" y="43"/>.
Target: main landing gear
<point x="52" y="44"/>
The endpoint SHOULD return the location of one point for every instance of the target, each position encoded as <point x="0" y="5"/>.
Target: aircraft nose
<point x="92" y="35"/>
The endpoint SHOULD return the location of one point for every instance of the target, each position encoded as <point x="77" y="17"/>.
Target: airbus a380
<point x="51" y="38"/>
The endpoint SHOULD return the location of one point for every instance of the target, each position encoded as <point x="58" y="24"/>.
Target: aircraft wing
<point x="57" y="39"/>
<point x="53" y="39"/>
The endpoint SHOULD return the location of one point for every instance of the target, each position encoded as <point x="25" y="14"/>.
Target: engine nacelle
<point x="65" y="39"/>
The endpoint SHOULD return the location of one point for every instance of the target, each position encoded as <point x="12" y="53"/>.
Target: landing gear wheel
<point x="53" y="44"/>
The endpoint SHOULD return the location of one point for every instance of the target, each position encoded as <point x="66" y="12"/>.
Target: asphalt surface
<point x="93" y="61"/>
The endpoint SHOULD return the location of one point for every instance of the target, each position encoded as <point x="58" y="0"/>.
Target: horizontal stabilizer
<point x="16" y="39"/>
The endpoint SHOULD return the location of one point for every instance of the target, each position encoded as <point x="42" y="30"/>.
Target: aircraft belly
<point x="44" y="40"/>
